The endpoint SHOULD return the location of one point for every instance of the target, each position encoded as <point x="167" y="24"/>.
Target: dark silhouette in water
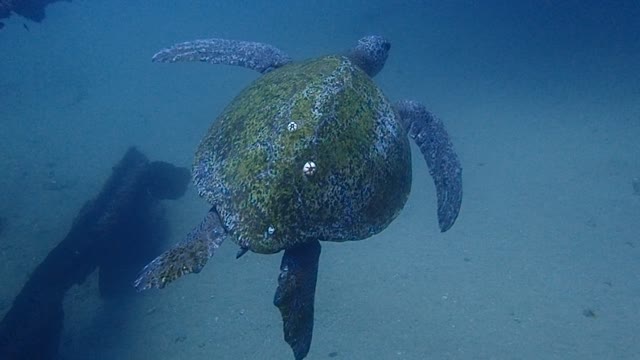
<point x="3" y="224"/>
<point x="30" y="9"/>
<point x="111" y="232"/>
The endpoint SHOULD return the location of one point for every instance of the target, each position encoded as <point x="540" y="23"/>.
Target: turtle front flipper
<point x="431" y="137"/>
<point x="252" y="55"/>
<point x="295" y="295"/>
<point x="186" y="257"/>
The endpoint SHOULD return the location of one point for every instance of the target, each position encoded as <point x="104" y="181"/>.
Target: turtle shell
<point x="310" y="151"/>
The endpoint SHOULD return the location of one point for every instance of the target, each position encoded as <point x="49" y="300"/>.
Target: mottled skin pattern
<point x="370" y="54"/>
<point x="295" y="295"/>
<point x="250" y="163"/>
<point x="435" y="145"/>
<point x="180" y="260"/>
<point x="223" y="51"/>
<point x="310" y="152"/>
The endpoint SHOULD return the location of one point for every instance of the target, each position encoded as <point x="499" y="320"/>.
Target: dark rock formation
<point x="112" y="232"/>
<point x="30" y="9"/>
<point x="3" y="224"/>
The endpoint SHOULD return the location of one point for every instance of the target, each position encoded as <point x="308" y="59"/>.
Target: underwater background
<point x="541" y="98"/>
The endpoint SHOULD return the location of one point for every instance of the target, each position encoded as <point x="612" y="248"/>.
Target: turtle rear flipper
<point x="429" y="134"/>
<point x="295" y="295"/>
<point x="188" y="256"/>
<point x="252" y="55"/>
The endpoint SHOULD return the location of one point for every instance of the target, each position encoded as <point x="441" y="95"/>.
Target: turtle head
<point x="370" y="54"/>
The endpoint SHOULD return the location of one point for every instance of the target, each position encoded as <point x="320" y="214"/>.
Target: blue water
<point x="541" y="98"/>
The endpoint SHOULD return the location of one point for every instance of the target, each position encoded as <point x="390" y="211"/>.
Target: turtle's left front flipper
<point x="295" y="295"/>
<point x="249" y="54"/>
<point x="431" y="137"/>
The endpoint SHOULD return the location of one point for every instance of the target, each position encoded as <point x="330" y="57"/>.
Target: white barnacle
<point x="271" y="230"/>
<point x="292" y="126"/>
<point x="309" y="168"/>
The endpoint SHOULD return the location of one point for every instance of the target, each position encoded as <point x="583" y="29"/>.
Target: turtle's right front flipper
<point x="296" y="294"/>
<point x="188" y="256"/>
<point x="434" y="142"/>
<point x="252" y="55"/>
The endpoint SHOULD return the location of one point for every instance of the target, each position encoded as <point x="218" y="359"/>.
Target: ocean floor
<point x="542" y="263"/>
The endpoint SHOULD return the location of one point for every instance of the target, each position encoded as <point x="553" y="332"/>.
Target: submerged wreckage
<point x="30" y="9"/>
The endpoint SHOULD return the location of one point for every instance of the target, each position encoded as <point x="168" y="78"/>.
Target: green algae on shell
<point x="325" y="112"/>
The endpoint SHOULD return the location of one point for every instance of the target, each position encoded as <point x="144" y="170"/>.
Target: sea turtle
<point x="311" y="151"/>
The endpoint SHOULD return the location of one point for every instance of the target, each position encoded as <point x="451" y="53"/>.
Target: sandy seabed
<point x="542" y="263"/>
